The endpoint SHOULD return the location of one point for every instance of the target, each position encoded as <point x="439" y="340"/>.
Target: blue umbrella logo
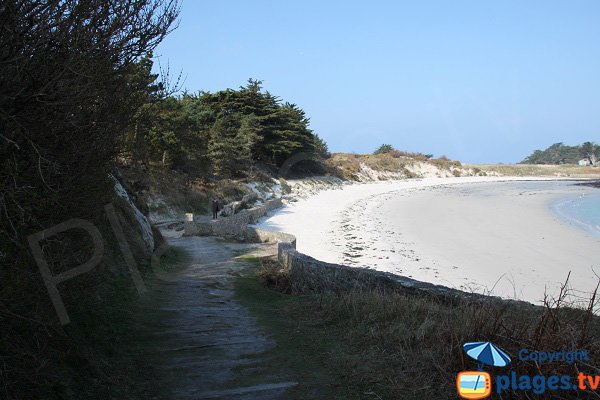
<point x="487" y="353"/>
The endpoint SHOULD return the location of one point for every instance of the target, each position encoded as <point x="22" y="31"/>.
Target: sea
<point x="581" y="210"/>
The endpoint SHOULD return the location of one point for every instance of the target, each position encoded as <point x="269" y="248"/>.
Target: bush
<point x="418" y="156"/>
<point x="70" y="85"/>
<point x="274" y="276"/>
<point x="384" y="149"/>
<point x="445" y="163"/>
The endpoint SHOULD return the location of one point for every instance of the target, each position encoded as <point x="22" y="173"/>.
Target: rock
<point x="236" y="206"/>
<point x="226" y="211"/>
<point x="249" y="198"/>
<point x="143" y="225"/>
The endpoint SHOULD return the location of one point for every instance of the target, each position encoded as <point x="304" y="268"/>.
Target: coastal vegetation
<point x="219" y="135"/>
<point x="375" y="344"/>
<point x="350" y="165"/>
<point x="68" y="88"/>
<point x="561" y="170"/>
<point x="81" y="109"/>
<point x="390" y="150"/>
<point x="168" y="193"/>
<point x="559" y="153"/>
<point x="79" y="105"/>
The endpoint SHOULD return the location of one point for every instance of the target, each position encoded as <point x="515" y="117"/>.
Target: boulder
<point x="249" y="198"/>
<point x="236" y="206"/>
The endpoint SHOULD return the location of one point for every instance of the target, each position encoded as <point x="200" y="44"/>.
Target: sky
<point x="477" y="81"/>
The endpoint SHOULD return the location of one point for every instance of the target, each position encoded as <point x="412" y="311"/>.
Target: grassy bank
<point x="349" y="165"/>
<point x="401" y="345"/>
<point x="563" y="170"/>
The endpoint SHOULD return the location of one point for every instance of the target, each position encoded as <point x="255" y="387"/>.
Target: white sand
<point x="458" y="232"/>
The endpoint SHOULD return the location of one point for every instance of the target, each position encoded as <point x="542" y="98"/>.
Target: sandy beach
<point x="483" y="234"/>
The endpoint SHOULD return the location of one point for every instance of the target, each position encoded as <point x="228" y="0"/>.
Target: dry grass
<point x="273" y="276"/>
<point x="399" y="344"/>
<point x="347" y="166"/>
<point x="538" y="170"/>
<point x="444" y="163"/>
<point x="406" y="337"/>
<point x="415" y="155"/>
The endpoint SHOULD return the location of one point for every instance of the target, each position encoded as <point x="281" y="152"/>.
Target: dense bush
<point x="68" y="87"/>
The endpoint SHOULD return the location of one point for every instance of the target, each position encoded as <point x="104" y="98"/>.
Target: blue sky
<point x="478" y="81"/>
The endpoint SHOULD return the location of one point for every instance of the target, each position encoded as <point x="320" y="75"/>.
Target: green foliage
<point x="224" y="132"/>
<point x="559" y="153"/>
<point x="72" y="75"/>
<point x="321" y="147"/>
<point x="384" y="149"/>
<point x="230" y="145"/>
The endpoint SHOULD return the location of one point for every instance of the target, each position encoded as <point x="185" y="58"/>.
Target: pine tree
<point x="230" y="146"/>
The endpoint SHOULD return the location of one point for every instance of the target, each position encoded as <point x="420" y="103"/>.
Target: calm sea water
<point x="581" y="210"/>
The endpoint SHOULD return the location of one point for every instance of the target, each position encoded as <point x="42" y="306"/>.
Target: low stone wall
<point x="233" y="226"/>
<point x="265" y="236"/>
<point x="307" y="273"/>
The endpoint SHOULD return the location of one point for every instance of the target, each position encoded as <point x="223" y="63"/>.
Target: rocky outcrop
<point x="134" y="218"/>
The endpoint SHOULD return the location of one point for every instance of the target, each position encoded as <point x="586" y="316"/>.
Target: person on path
<point x="215" y="208"/>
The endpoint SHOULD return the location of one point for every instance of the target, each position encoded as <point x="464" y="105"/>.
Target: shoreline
<point x="568" y="208"/>
<point x="347" y="226"/>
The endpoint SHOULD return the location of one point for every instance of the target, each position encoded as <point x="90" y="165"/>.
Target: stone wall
<point x="233" y="226"/>
<point x="309" y="274"/>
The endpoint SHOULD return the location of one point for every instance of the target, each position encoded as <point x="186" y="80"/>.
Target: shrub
<point x="384" y="149"/>
<point x="416" y="155"/>
<point x="274" y="276"/>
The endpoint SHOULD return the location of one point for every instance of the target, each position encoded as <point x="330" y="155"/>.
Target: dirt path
<point x="200" y="339"/>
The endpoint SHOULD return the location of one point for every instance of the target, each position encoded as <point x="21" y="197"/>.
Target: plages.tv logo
<point x="478" y="384"/>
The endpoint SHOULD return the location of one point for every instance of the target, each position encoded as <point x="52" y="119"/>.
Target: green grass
<point x="173" y="259"/>
<point x="106" y="340"/>
<point x="103" y="344"/>
<point x="303" y="344"/>
<point x="247" y="257"/>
